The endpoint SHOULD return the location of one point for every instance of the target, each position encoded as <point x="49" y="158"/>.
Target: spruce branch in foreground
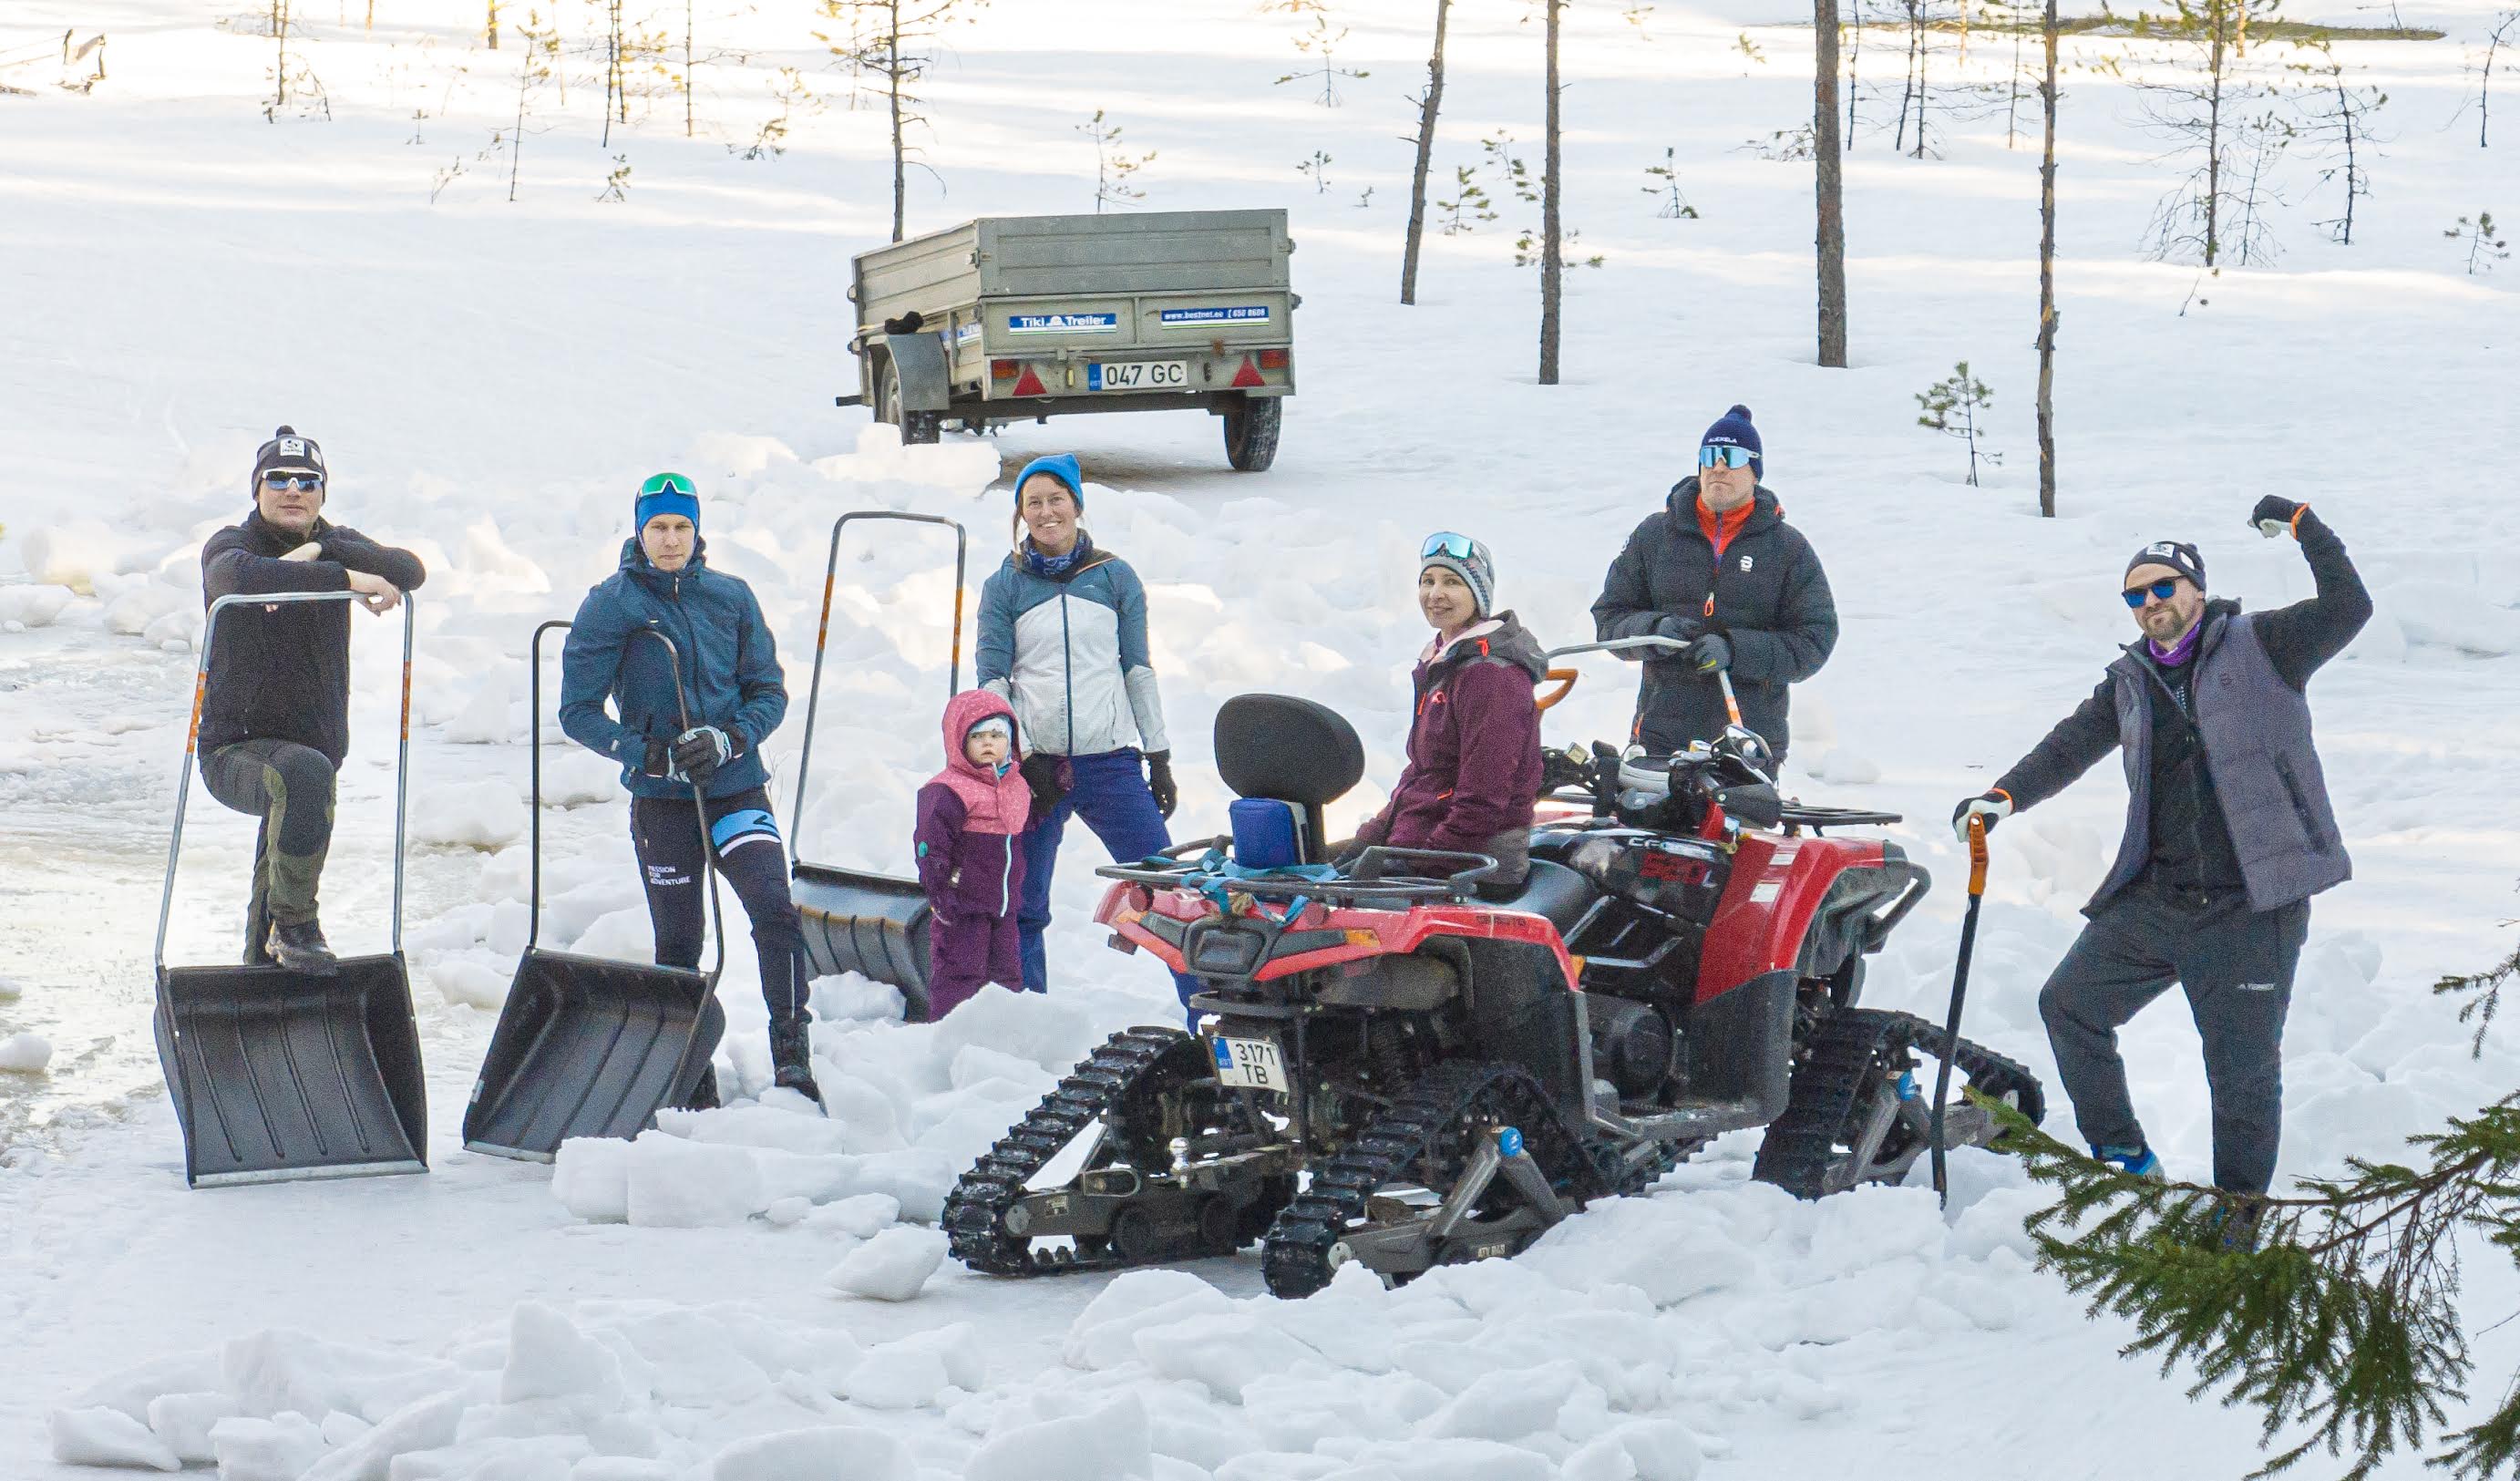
<point x="2332" y="1312"/>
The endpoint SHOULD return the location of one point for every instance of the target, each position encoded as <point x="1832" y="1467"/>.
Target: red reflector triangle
<point x="1029" y="384"/>
<point x="1249" y="374"/>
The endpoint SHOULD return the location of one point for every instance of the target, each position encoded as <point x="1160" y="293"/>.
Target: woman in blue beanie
<point x="1063" y="640"/>
<point x="731" y="682"/>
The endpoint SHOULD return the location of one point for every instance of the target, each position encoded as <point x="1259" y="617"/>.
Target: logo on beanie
<point x="292" y="447"/>
<point x="2166" y="550"/>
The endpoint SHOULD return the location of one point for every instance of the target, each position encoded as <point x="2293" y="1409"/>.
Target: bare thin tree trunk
<point x="280" y="71"/>
<point x="893" y="41"/>
<point x="2214" y="140"/>
<point x="1425" y="156"/>
<point x="1853" y="54"/>
<point x="494" y="23"/>
<point x="1551" y="271"/>
<point x="2047" y="280"/>
<point x="1829" y="186"/>
<point x="687" y="68"/>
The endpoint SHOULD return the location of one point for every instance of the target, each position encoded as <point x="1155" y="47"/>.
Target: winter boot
<point x="298" y="945"/>
<point x="792" y="1057"/>
<point x="2135" y="1161"/>
<point x="2233" y="1227"/>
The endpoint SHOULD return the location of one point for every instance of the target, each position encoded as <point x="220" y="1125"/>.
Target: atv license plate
<point x="1251" y="1063"/>
<point x="1138" y="375"/>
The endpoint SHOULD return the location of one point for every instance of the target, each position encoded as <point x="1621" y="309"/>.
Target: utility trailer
<point x="1012" y="317"/>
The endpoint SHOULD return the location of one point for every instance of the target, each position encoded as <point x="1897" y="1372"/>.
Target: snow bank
<point x="26" y="606"/>
<point x="486" y="815"/>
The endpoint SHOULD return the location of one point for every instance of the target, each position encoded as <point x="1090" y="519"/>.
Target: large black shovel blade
<point x="869" y="924"/>
<point x="590" y="1048"/>
<point x="277" y="1075"/>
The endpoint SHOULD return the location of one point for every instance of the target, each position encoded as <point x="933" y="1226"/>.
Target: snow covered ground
<point x="490" y="379"/>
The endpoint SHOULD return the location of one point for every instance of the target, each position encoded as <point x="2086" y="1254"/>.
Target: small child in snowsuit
<point x="970" y="815"/>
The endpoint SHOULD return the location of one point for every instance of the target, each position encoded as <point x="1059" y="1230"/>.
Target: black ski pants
<point x="674" y="839"/>
<point x="290" y="787"/>
<point x="2237" y="965"/>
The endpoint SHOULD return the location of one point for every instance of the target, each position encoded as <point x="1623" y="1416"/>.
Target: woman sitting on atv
<point x="1473" y="769"/>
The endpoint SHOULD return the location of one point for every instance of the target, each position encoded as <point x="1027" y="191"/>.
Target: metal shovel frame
<point x="858" y="921"/>
<point x="278" y="1075"/>
<point x="589" y="1046"/>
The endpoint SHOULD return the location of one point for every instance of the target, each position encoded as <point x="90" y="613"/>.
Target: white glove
<point x="1995" y="807"/>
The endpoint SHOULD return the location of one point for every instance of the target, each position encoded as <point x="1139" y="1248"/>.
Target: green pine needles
<point x="2333" y="1312"/>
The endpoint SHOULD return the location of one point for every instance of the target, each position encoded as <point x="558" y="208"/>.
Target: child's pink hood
<point x="996" y="804"/>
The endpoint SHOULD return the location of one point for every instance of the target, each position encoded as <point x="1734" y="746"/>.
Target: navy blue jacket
<point x="730" y="670"/>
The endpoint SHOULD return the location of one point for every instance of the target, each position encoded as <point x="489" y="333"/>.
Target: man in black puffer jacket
<point x="2229" y="832"/>
<point x="276" y="713"/>
<point x="1720" y="568"/>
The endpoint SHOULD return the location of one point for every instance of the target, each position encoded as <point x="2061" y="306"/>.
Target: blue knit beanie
<point x="1733" y="429"/>
<point x="1059" y="466"/>
<point x="666" y="494"/>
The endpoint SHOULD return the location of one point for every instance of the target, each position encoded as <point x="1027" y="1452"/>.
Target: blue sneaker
<point x="2135" y="1161"/>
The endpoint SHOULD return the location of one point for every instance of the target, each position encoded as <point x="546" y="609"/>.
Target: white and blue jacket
<point x="1068" y="650"/>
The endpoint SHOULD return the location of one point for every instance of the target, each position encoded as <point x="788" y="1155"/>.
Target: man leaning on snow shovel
<point x="2229" y="834"/>
<point x="276" y="715"/>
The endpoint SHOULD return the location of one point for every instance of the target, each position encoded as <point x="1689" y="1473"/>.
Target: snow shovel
<point x="587" y="1046"/>
<point x="1959" y="986"/>
<point x="858" y="921"/>
<point x="278" y="1075"/>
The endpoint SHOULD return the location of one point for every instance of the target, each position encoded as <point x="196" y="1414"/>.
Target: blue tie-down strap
<point x="745" y="824"/>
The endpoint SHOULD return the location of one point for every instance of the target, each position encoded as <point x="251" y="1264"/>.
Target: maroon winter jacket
<point x="1473" y="769"/>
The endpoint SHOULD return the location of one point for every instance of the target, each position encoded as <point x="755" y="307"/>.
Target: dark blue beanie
<point x="1059" y="466"/>
<point x="1733" y="429"/>
<point x="665" y="494"/>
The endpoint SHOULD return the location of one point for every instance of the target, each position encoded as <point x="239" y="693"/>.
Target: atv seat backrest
<point x="1293" y="750"/>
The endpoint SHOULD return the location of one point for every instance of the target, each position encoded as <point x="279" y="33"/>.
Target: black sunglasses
<point x="2159" y="591"/>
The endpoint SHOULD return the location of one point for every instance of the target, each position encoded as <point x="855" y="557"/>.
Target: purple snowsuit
<point x="971" y="863"/>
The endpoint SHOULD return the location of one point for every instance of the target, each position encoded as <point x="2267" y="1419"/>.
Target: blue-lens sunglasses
<point x="2159" y="591"/>
<point x="290" y="481"/>
<point x="1446" y="543"/>
<point x="1731" y="457"/>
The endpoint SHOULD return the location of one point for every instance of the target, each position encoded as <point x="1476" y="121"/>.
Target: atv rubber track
<point x="1430" y="1124"/>
<point x="1827" y="1087"/>
<point x="975" y="1210"/>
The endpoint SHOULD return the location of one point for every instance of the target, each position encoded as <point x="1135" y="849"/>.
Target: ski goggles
<point x="2159" y="591"/>
<point x="1446" y="543"/>
<point x="1729" y="455"/>
<point x="292" y="480"/>
<point x="668" y="483"/>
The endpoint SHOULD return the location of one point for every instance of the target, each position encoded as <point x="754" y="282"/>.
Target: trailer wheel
<point x="916" y="428"/>
<point x="1251" y="432"/>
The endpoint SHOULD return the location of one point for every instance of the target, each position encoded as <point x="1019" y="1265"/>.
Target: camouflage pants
<point x="291" y="787"/>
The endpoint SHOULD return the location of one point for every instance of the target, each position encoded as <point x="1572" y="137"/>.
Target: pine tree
<point x="1951" y="405"/>
<point x="2339" y="119"/>
<point x="1112" y="166"/>
<point x="2331" y="1311"/>
<point x="895" y="42"/>
<point x="2483" y="248"/>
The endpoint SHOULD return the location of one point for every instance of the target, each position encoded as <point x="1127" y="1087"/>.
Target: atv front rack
<point x="1382" y="878"/>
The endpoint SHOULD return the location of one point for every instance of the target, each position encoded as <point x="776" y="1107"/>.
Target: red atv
<point x="1400" y="1068"/>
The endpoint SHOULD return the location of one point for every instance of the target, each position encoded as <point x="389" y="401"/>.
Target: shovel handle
<point x="1564" y="679"/>
<point x="1977" y="853"/>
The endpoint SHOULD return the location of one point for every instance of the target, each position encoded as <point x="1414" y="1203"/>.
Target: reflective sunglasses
<point x="666" y="484"/>
<point x="1446" y="543"/>
<point x="2159" y="591"/>
<point x="1731" y="457"/>
<point x="292" y="480"/>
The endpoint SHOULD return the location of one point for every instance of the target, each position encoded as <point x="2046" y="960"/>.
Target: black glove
<point x="659" y="760"/>
<point x="1160" y="781"/>
<point x="701" y="750"/>
<point x="1709" y="654"/>
<point x="2274" y="517"/>
<point x="1994" y="805"/>
<point x="1678" y="626"/>
<point x="1046" y="775"/>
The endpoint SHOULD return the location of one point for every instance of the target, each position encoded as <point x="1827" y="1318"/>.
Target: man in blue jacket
<point x="731" y="680"/>
<point x="1063" y="640"/>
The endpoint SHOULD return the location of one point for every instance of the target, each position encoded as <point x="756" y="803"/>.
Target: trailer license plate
<point x="1251" y="1063"/>
<point x="1138" y="375"/>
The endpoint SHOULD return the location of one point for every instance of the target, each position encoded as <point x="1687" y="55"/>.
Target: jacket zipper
<point x="1067" y="668"/>
<point x="1006" y="877"/>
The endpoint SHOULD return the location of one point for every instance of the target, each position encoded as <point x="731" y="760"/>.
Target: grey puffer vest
<point x="2265" y="771"/>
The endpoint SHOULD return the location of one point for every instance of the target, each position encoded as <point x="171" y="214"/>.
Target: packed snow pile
<point x="1625" y="1345"/>
<point x="25" y="1053"/>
